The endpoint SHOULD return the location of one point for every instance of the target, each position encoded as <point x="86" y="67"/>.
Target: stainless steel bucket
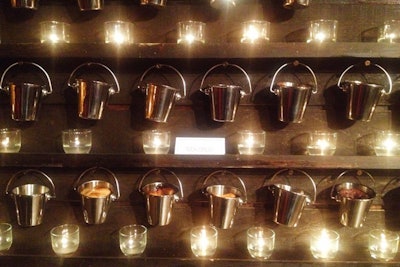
<point x="293" y="98"/>
<point x="30" y="199"/>
<point x="289" y="202"/>
<point x="157" y="3"/>
<point x="362" y="97"/>
<point x="224" y="200"/>
<point x="160" y="99"/>
<point x="96" y="195"/>
<point x="30" y="4"/>
<point x="160" y="197"/>
<point x="88" y="5"/>
<point x="355" y="200"/>
<point x="93" y="96"/>
<point x="25" y="98"/>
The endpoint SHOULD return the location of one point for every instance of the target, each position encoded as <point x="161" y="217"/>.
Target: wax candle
<point x="324" y="244"/>
<point x="383" y="244"/>
<point x="203" y="240"/>
<point x="251" y="143"/>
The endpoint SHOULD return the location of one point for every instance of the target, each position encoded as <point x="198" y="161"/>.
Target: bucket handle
<point x="111" y="90"/>
<point x="295" y="63"/>
<point x="159" y="66"/>
<point x="392" y="181"/>
<point x="226" y="64"/>
<point x="93" y="170"/>
<point x="224" y="172"/>
<point x="44" y="92"/>
<point x="159" y="170"/>
<point x="358" y="173"/>
<point x="367" y="63"/>
<point x="29" y="171"/>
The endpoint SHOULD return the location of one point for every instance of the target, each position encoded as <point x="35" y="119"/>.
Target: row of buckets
<point x="93" y="95"/>
<point x="98" y="187"/>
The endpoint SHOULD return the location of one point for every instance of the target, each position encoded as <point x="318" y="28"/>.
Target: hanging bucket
<point x="88" y="5"/>
<point x="160" y="197"/>
<point x="355" y="199"/>
<point x="289" y="202"/>
<point x="224" y="200"/>
<point x="29" y="4"/>
<point x="92" y="95"/>
<point x="30" y="199"/>
<point x="25" y="98"/>
<point x="225" y="98"/>
<point x="293" y="98"/>
<point x="362" y="98"/>
<point x="96" y="195"/>
<point x="160" y="98"/>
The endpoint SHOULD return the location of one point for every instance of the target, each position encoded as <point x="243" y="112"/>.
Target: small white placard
<point x="199" y="146"/>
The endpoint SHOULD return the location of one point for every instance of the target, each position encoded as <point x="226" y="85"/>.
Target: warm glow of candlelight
<point x="324" y="244"/>
<point x="5" y="142"/>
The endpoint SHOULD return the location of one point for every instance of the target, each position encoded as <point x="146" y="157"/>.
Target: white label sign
<point x="199" y="146"/>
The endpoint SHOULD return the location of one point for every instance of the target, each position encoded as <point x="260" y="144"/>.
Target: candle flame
<point x="5" y="142"/>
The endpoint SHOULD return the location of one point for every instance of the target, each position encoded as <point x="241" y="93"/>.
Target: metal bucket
<point x="96" y="195"/>
<point x="30" y="4"/>
<point x="88" y="5"/>
<point x="355" y="200"/>
<point x="160" y="98"/>
<point x="362" y="98"/>
<point x="224" y="201"/>
<point x="93" y="95"/>
<point x="293" y="98"/>
<point x="224" y="98"/>
<point x="289" y="202"/>
<point x="30" y="199"/>
<point x="160" y="197"/>
<point x="157" y="3"/>
<point x="25" y="98"/>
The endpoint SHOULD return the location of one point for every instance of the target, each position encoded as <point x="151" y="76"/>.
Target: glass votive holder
<point x="54" y="32"/>
<point x="77" y="141"/>
<point x="203" y="240"/>
<point x="133" y="239"/>
<point x="190" y="32"/>
<point x="255" y="31"/>
<point x="118" y="32"/>
<point x="390" y="32"/>
<point x="260" y="242"/>
<point x="322" y="143"/>
<point x="383" y="244"/>
<point x="324" y="244"/>
<point x="156" y="141"/>
<point x="251" y="143"/>
<point x="65" y="238"/>
<point x="322" y="30"/>
<point x="6" y="237"/>
<point x="10" y="140"/>
<point x="387" y="143"/>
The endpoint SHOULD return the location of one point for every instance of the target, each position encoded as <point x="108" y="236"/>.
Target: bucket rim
<point x="93" y="81"/>
<point x="359" y="186"/>
<point x="357" y="82"/>
<point x="163" y="85"/>
<point x="110" y="187"/>
<point x="29" y="184"/>
<point x="25" y="84"/>
<point x="304" y="194"/>
<point x="302" y="86"/>
<point x="225" y="186"/>
<point x="169" y="185"/>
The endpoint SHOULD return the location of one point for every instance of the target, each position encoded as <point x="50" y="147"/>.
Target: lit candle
<point x="387" y="143"/>
<point x="54" y="32"/>
<point x="255" y="31"/>
<point x="251" y="143"/>
<point x="322" y="30"/>
<point x="260" y="242"/>
<point x="322" y="143"/>
<point x="118" y="32"/>
<point x="156" y="141"/>
<point x="324" y="244"/>
<point x="203" y="240"/>
<point x="383" y="245"/>
<point x="65" y="238"/>
<point x="10" y="140"/>
<point x="190" y="32"/>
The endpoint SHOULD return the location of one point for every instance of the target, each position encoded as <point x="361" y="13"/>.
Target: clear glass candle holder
<point x="322" y="143"/>
<point x="324" y="244"/>
<point x="65" y="238"/>
<point x="203" y="240"/>
<point x="383" y="244"/>
<point x="260" y="242"/>
<point x="251" y="143"/>
<point x="387" y="143"/>
<point x="54" y="32"/>
<point x="6" y="237"/>
<point x="77" y="141"/>
<point x="156" y="141"/>
<point x="322" y="30"/>
<point x="118" y="32"/>
<point x="133" y="239"/>
<point x="10" y="140"/>
<point x="190" y="32"/>
<point x="255" y="31"/>
<point x="390" y="32"/>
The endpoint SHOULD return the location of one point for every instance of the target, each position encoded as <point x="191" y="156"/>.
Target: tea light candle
<point x="251" y="143"/>
<point x="387" y="143"/>
<point x="383" y="244"/>
<point x="156" y="141"/>
<point x="54" y="32"/>
<point x="118" y="32"/>
<point x="10" y="140"/>
<point x="324" y="244"/>
<point x="133" y="239"/>
<point x="203" y="240"/>
<point x="65" y="238"/>
<point x="322" y="143"/>
<point x="77" y="141"/>
<point x="260" y="242"/>
<point x="390" y="32"/>
<point x="255" y="31"/>
<point x="190" y="32"/>
<point x="322" y="31"/>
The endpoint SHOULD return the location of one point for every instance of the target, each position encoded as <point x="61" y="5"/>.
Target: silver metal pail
<point x="30" y="199"/>
<point x="160" y="197"/>
<point x="88" y="5"/>
<point x="93" y="95"/>
<point x="289" y="202"/>
<point x="30" y="4"/>
<point x="25" y="98"/>
<point x="96" y="194"/>
<point x="293" y="97"/>
<point x="362" y="97"/>
<point x="355" y="200"/>
<point x="224" y="200"/>
<point x="160" y="98"/>
<point x="225" y="98"/>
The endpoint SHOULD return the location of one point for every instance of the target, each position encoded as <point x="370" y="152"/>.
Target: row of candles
<point x="324" y="243"/>
<point x="79" y="141"/>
